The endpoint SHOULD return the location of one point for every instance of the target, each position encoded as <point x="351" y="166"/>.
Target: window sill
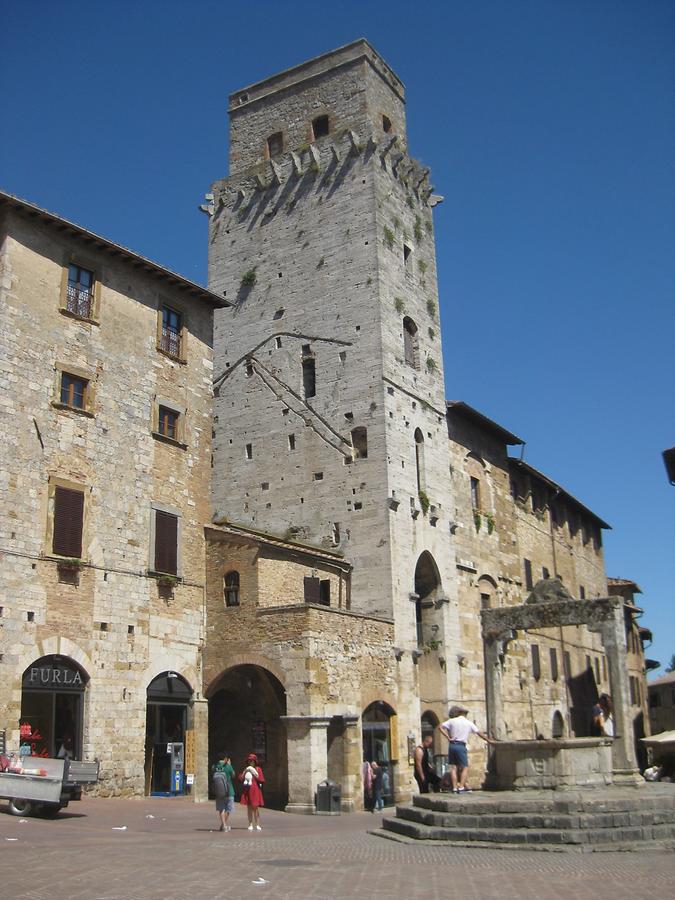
<point x="66" y="562"/>
<point x="168" y="577"/>
<point x="90" y="320"/>
<point x="168" y="440"/>
<point x="177" y="359"/>
<point x="82" y="411"/>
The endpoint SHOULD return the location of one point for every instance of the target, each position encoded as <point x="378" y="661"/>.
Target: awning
<point x="659" y="740"/>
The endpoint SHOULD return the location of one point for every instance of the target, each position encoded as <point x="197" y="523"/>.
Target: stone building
<point x="106" y="418"/>
<point x="662" y="703"/>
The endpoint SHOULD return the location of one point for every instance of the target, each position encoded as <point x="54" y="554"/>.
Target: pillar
<point x="624" y="762"/>
<point x="493" y="649"/>
<point x="200" y="725"/>
<point x="307" y="760"/>
<point x="352" y="785"/>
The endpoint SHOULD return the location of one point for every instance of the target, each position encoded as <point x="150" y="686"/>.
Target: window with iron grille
<point x="73" y="391"/>
<point x="80" y="291"/>
<point x="68" y="517"/>
<point x="167" y="424"/>
<point x="231" y="588"/>
<point x="166" y="543"/>
<point x="172" y="324"/>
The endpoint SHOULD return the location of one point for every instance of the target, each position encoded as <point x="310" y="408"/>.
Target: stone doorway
<point x="246" y="704"/>
<point x="52" y="707"/>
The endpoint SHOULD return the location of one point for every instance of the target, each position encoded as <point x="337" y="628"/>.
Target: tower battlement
<point x="351" y="88"/>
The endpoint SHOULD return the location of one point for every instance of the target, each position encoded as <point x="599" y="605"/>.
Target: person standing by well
<point x="457" y="729"/>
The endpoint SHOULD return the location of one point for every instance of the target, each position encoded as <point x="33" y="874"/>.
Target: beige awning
<point x="658" y="740"/>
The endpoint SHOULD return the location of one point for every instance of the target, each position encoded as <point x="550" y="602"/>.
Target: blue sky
<point x="548" y="127"/>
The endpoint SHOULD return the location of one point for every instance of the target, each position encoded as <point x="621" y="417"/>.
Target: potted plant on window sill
<point x="70" y="563"/>
<point x="165" y="579"/>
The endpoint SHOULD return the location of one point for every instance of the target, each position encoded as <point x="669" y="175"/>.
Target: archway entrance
<point x="245" y="708"/>
<point x="52" y="707"/>
<point x="376" y="726"/>
<point x="168" y="697"/>
<point x="427" y="590"/>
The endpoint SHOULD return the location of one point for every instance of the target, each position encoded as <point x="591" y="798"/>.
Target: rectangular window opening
<point x="324" y="592"/>
<point x="73" y="390"/>
<point x="166" y="543"/>
<point x="167" y="424"/>
<point x="249" y="451"/>
<point x="172" y="323"/>
<point x="291" y="442"/>
<point x="68" y="518"/>
<point x="80" y="291"/>
<point x="528" y="574"/>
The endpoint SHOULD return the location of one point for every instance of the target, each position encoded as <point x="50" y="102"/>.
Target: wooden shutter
<point x="68" y="514"/>
<point x="166" y="543"/>
<point x="312" y="590"/>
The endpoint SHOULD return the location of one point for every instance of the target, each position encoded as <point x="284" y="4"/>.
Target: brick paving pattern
<point x="168" y="850"/>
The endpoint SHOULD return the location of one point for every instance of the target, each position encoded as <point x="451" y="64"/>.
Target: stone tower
<point x="330" y="421"/>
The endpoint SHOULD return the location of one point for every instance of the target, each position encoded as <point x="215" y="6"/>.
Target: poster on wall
<point x="259" y="741"/>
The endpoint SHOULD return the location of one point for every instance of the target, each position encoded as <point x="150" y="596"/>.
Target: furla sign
<point x="53" y="677"/>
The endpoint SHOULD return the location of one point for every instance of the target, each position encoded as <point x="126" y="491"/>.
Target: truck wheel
<point x="20" y="807"/>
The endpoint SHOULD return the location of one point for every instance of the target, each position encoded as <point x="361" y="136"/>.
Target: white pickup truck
<point x="35" y="785"/>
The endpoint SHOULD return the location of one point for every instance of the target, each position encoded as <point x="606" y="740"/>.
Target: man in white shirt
<point x="457" y="729"/>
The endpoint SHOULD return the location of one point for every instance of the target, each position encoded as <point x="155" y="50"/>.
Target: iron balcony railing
<point x="170" y="342"/>
<point x="79" y="301"/>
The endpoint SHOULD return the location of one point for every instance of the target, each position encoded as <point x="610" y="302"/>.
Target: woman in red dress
<point x="251" y="796"/>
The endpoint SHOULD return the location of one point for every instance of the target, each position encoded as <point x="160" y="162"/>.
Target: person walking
<point x="457" y="729"/>
<point x="223" y="789"/>
<point x="378" y="785"/>
<point x="252" y="779"/>
<point x="425" y="774"/>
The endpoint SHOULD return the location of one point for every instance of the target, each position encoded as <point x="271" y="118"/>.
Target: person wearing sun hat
<point x="251" y="795"/>
<point x="457" y="729"/>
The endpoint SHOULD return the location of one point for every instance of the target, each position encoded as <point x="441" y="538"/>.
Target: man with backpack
<point x="223" y="789"/>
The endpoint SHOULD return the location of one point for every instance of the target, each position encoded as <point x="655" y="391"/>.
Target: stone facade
<point x="662" y="703"/>
<point x="103" y="615"/>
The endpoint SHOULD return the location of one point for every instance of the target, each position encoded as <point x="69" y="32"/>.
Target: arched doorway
<point x="376" y="726"/>
<point x="52" y="707"/>
<point x="427" y="591"/>
<point x="245" y="708"/>
<point x="168" y="698"/>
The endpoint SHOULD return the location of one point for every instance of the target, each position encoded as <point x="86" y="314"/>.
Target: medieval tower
<point x="330" y="423"/>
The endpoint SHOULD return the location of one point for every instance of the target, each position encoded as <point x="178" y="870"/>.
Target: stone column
<point x="307" y="760"/>
<point x="624" y="762"/>
<point x="494" y="647"/>
<point x="352" y="789"/>
<point x="200" y="724"/>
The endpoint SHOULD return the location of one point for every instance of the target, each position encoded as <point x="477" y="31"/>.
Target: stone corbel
<point x="434" y="199"/>
<point x="393" y="503"/>
<point x="398" y="653"/>
<point x="276" y="171"/>
<point x="354" y="141"/>
<point x="424" y="174"/>
<point x="416" y="655"/>
<point x="241" y="194"/>
<point x="207" y="207"/>
<point x="316" y="158"/>
<point x="390" y="146"/>
<point x="297" y="163"/>
<point x="260" y="182"/>
<point x="335" y="152"/>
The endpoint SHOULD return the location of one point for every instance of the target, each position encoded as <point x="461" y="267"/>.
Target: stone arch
<point x="165" y="662"/>
<point x="427" y="591"/>
<point x="245" y="659"/>
<point x="247" y="707"/>
<point x="487" y="590"/>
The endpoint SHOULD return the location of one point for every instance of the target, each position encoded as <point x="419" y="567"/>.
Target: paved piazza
<point x="155" y="848"/>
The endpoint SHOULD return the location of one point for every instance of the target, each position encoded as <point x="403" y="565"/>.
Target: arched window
<point x="419" y="460"/>
<point x="558" y="725"/>
<point x="360" y="442"/>
<point x="487" y="589"/>
<point x="410" y="343"/>
<point x="231" y="589"/>
<point x="427" y="591"/>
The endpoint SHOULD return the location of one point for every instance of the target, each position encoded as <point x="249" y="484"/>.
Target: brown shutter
<point x="166" y="543"/>
<point x="68" y="513"/>
<point x="312" y="590"/>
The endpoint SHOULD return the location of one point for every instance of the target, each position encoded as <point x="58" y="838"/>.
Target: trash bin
<point x="328" y="797"/>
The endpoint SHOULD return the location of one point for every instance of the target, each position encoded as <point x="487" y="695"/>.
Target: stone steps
<point x="603" y="819"/>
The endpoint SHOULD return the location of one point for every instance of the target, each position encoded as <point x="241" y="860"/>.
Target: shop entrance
<point x="245" y="708"/>
<point x="377" y="744"/>
<point x="52" y="707"/>
<point x="168" y="698"/>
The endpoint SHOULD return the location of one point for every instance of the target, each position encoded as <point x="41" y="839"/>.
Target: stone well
<point x="556" y="764"/>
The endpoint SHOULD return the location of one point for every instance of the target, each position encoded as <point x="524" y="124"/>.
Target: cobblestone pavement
<point x="165" y="849"/>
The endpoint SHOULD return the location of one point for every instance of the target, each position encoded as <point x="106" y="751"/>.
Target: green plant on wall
<point x="417" y="230"/>
<point x="396" y="223"/>
<point x="409" y="201"/>
<point x="422" y="266"/>
<point x="70" y="562"/>
<point x="399" y="305"/>
<point x="431" y="308"/>
<point x="388" y="237"/>
<point x="432" y="645"/>
<point x="429" y="226"/>
<point x="477" y="519"/>
<point x="248" y="279"/>
<point x="490" y="521"/>
<point x="431" y="364"/>
<point x="432" y="333"/>
<point x="424" y="502"/>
